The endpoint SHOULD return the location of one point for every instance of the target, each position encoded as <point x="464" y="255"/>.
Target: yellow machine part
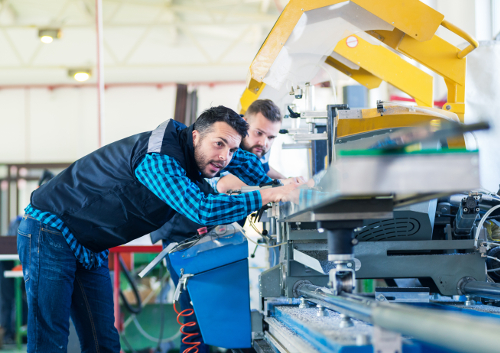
<point x="372" y="121"/>
<point x="390" y="67"/>
<point x="399" y="13"/>
<point x="251" y="93"/>
<point x="361" y="75"/>
<point x="414" y="18"/>
<point x="439" y="56"/>
<point x="414" y="35"/>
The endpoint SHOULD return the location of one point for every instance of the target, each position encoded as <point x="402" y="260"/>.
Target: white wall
<point x="60" y="125"/>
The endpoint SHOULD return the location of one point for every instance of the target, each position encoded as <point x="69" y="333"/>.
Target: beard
<point x="250" y="149"/>
<point x="204" y="163"/>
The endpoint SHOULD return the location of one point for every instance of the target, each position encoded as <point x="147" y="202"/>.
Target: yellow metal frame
<point x="372" y="120"/>
<point x="390" y="67"/>
<point x="414" y="36"/>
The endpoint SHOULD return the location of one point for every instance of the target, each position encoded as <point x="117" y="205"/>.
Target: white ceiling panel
<point x="144" y="40"/>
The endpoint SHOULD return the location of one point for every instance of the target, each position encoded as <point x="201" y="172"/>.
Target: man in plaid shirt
<point x="118" y="193"/>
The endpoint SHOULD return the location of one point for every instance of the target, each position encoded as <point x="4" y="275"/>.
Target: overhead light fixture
<point x="80" y="75"/>
<point x="47" y="35"/>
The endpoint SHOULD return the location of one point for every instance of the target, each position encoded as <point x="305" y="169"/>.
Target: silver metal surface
<point x="411" y="178"/>
<point x="342" y="278"/>
<point x="318" y="206"/>
<point x="403" y="174"/>
<point x="481" y="289"/>
<point x="310" y="137"/>
<point x="303" y="303"/>
<point x="385" y="341"/>
<point x="345" y="321"/>
<point x="157" y="259"/>
<point x="455" y="331"/>
<point x="362" y="339"/>
<point x="401" y="296"/>
<point x="351" y="114"/>
<point x="307" y="260"/>
<point x="321" y="311"/>
<point x="316" y="216"/>
<point x="314" y="114"/>
<point x="344" y="257"/>
<point x="469" y="301"/>
<point x="262" y="346"/>
<point x="296" y="146"/>
<point x="284" y="339"/>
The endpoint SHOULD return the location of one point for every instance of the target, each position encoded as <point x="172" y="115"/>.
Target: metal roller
<point x="454" y="331"/>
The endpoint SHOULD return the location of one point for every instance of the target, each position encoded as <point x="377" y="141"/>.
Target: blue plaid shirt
<point x="213" y="181"/>
<point x="86" y="257"/>
<point x="165" y="177"/>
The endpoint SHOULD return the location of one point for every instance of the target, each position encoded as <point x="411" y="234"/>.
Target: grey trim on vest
<point x="156" y="138"/>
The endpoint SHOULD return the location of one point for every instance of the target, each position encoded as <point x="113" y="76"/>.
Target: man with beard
<point x="118" y="193"/>
<point x="264" y="118"/>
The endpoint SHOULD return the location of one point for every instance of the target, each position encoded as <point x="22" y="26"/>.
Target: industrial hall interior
<point x="249" y="176"/>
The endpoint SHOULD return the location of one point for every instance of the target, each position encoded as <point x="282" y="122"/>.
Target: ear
<point x="196" y="137"/>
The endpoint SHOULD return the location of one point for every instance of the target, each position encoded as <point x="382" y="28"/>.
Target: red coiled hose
<point x="186" y="313"/>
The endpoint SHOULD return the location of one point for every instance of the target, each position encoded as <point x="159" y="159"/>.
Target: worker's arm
<point x="229" y="182"/>
<point x="247" y="167"/>
<point x="274" y="174"/>
<point x="165" y="177"/>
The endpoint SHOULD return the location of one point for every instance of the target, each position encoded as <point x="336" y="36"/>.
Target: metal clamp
<point x="182" y="283"/>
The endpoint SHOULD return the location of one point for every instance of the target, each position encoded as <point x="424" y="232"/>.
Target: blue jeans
<point x="185" y="303"/>
<point x="59" y="287"/>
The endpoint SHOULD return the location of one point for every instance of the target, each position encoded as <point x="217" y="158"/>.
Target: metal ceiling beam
<point x="139" y="41"/>
<point x="130" y="66"/>
<point x="233" y="44"/>
<point x="145" y="24"/>
<point x="49" y="24"/>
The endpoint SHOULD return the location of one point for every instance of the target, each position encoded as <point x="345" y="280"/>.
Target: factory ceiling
<point x="143" y="40"/>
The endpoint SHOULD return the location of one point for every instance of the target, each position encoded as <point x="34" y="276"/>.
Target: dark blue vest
<point x="101" y="201"/>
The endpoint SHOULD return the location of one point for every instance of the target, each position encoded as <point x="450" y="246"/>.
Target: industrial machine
<point x="394" y="197"/>
<point x="395" y="194"/>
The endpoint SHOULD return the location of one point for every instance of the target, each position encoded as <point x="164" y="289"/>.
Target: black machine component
<point x="319" y="151"/>
<point x="491" y="264"/>
<point x="380" y="108"/>
<point x="293" y="114"/>
<point x="340" y="242"/>
<point x="466" y="215"/>
<point x="413" y="222"/>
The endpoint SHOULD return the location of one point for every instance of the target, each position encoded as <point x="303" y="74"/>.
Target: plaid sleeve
<point x="247" y="167"/>
<point x="165" y="177"/>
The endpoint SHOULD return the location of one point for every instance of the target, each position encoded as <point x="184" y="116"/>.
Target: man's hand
<point x="299" y="180"/>
<point x="280" y="193"/>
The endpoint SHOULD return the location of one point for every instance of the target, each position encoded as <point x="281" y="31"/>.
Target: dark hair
<point x="267" y="108"/>
<point x="212" y="115"/>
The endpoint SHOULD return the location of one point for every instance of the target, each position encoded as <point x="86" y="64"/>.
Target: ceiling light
<point x="47" y="35"/>
<point x="46" y="39"/>
<point x="80" y="74"/>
